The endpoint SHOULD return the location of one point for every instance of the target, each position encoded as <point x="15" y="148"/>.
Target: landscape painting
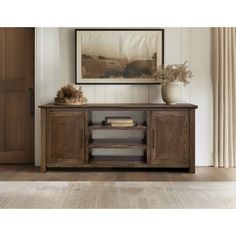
<point x="118" y="56"/>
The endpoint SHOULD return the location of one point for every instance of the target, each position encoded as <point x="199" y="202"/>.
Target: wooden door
<point x="170" y="138"/>
<point x="65" y="138"/>
<point x="16" y="95"/>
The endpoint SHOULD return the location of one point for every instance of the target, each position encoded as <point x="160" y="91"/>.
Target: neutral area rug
<point x="50" y="194"/>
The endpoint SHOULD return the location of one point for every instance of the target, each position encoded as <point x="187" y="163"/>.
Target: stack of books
<point x="119" y="121"/>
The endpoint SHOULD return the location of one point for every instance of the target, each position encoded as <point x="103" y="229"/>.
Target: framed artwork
<point x="118" y="56"/>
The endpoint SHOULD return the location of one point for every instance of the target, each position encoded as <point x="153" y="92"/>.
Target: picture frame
<point x="118" y="56"/>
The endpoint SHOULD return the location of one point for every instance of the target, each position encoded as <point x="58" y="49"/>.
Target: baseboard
<point x="204" y="159"/>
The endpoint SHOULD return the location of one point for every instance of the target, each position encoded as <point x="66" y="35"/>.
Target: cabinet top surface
<point x="120" y="105"/>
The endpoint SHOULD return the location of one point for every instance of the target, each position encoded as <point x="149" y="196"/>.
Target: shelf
<point x="118" y="143"/>
<point x="118" y="161"/>
<point x="100" y="126"/>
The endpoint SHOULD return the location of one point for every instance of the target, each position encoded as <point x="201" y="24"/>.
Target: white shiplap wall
<point x="55" y="66"/>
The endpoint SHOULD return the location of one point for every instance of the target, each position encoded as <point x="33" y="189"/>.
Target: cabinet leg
<point x="43" y="169"/>
<point x="191" y="169"/>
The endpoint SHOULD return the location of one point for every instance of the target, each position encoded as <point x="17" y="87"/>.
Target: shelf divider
<point x="119" y="161"/>
<point x="118" y="143"/>
<point x="100" y="126"/>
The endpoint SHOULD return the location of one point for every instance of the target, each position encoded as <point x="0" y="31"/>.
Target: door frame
<point x="37" y="95"/>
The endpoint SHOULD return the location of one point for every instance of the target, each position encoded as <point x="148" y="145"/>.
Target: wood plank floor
<point x="116" y="195"/>
<point x="32" y="173"/>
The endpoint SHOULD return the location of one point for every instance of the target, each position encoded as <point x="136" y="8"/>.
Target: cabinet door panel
<point x="65" y="138"/>
<point x="16" y="77"/>
<point x="170" y="138"/>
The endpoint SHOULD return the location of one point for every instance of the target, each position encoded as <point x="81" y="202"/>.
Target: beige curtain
<point x="224" y="85"/>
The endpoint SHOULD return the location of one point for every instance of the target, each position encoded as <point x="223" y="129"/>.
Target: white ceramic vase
<point x="171" y="92"/>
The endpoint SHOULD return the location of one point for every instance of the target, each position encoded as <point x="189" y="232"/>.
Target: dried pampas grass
<point x="70" y="95"/>
<point x="174" y="72"/>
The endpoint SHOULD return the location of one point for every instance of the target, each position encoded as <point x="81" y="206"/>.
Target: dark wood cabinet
<point x="168" y="139"/>
<point x="65" y="138"/>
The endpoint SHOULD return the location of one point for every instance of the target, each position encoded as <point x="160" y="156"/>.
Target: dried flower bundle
<point x="70" y="95"/>
<point x="174" y="72"/>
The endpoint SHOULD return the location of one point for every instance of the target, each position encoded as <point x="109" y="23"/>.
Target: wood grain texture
<point x="148" y="136"/>
<point x="29" y="133"/>
<point x="118" y="143"/>
<point x="12" y="85"/>
<point x="123" y="106"/>
<point x="170" y="138"/>
<point x="192" y="140"/>
<point x="165" y="143"/>
<point x="100" y="126"/>
<point x="65" y="137"/>
<point x="16" y="77"/>
<point x="13" y="157"/>
<point x="2" y="122"/>
<point x="14" y="121"/>
<point x="32" y="173"/>
<point x="117" y="195"/>
<point x="2" y="76"/>
<point x="43" y="140"/>
<point x="15" y="53"/>
<point x="117" y="161"/>
<point x="2" y="54"/>
<point x="87" y="138"/>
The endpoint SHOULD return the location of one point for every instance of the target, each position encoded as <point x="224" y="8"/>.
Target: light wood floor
<point x="32" y="173"/>
<point x="113" y="195"/>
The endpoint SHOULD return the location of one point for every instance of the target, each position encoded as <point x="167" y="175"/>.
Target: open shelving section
<point x="126" y="143"/>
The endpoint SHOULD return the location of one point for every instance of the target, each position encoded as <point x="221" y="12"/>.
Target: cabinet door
<point x="16" y="102"/>
<point x="170" y="138"/>
<point x="65" y="138"/>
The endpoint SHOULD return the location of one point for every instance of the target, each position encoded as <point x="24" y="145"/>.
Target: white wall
<point x="55" y="66"/>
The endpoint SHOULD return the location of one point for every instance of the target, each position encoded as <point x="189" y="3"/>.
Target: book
<point x="121" y="124"/>
<point x="120" y="120"/>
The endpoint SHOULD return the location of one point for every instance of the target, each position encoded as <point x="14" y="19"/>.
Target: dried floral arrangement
<point x="174" y="73"/>
<point x="70" y="95"/>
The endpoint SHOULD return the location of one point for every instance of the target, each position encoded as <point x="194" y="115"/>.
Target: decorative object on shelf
<point x="172" y="76"/>
<point x="171" y="92"/>
<point x="70" y="95"/>
<point x="119" y="121"/>
<point x="118" y="56"/>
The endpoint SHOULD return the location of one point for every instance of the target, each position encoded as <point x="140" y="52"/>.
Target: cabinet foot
<point x="192" y="170"/>
<point x="43" y="169"/>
